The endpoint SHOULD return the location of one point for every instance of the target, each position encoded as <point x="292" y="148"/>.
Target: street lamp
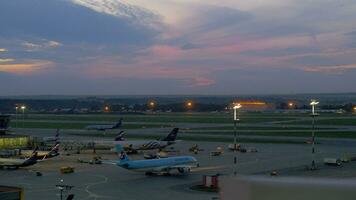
<point x="64" y="188"/>
<point x="236" y="118"/>
<point x="189" y="105"/>
<point x="313" y="104"/>
<point x="290" y="105"/>
<point x="23" y="108"/>
<point x="106" y="108"/>
<point x="151" y="104"/>
<point x="16" y="108"/>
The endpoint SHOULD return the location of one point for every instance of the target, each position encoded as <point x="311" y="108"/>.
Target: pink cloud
<point x="29" y="67"/>
<point x="202" y="81"/>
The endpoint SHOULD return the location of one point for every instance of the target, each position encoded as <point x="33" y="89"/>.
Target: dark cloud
<point x="69" y="23"/>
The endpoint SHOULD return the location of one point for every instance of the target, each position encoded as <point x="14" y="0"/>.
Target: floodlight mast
<point x="236" y="118"/>
<point x="313" y="103"/>
<point x="23" y="108"/>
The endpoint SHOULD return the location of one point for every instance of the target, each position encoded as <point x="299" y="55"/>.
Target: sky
<point x="168" y="47"/>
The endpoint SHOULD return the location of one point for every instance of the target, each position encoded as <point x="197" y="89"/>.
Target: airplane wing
<point x="10" y="162"/>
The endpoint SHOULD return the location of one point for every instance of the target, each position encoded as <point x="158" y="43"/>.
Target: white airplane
<point x="104" y="127"/>
<point x="55" y="139"/>
<point x="183" y="164"/>
<point x="42" y="155"/>
<point x="16" y="163"/>
<point x="133" y="146"/>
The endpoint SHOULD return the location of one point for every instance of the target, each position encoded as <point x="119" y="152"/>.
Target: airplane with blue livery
<point x="182" y="164"/>
<point x="17" y="163"/>
<point x="104" y="127"/>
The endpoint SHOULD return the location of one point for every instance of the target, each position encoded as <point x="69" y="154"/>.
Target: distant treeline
<point x="165" y="103"/>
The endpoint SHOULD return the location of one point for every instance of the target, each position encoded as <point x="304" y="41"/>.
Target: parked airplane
<point x="120" y="136"/>
<point x="41" y="155"/>
<point x="149" y="144"/>
<point x="183" y="164"/>
<point x="104" y="127"/>
<point x="16" y="163"/>
<point x="55" y="139"/>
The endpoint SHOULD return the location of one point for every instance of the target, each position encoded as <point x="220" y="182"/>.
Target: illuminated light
<point x="290" y="104"/>
<point x="23" y="107"/>
<point x="354" y="108"/>
<point x="106" y="108"/>
<point x="151" y="104"/>
<point x="313" y="103"/>
<point x="189" y="104"/>
<point x="236" y="107"/>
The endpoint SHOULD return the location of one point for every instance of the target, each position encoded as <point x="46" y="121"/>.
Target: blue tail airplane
<point x="104" y="127"/>
<point x="183" y="164"/>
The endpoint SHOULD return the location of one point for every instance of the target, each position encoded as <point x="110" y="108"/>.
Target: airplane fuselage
<point x="159" y="165"/>
<point x="9" y="162"/>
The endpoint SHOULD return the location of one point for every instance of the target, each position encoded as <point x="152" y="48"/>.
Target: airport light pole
<point x="23" y="115"/>
<point x="16" y="108"/>
<point x="236" y="118"/>
<point x="62" y="187"/>
<point x="313" y="104"/>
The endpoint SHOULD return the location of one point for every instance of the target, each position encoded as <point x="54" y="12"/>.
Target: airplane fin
<point x="118" y="124"/>
<point x="123" y="157"/>
<point x="172" y="135"/>
<point x="55" y="148"/>
<point x="120" y="136"/>
<point x="34" y="154"/>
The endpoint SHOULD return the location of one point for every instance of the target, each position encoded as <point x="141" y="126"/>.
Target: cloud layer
<point x="175" y="47"/>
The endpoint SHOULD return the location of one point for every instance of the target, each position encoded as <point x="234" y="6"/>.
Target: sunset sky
<point x="95" y="47"/>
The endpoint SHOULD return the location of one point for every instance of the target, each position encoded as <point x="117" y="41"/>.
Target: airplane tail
<point x="55" y="149"/>
<point x="172" y="135"/>
<point x="120" y="136"/>
<point x="56" y="137"/>
<point x="31" y="160"/>
<point x="122" y="155"/>
<point x="118" y="124"/>
<point x="53" y="152"/>
<point x="34" y="156"/>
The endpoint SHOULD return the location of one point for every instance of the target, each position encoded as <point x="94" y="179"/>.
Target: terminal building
<point x="11" y="141"/>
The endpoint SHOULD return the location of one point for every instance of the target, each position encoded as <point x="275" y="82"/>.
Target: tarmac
<point x="106" y="181"/>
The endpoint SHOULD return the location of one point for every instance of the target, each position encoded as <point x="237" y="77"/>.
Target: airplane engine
<point x="183" y="170"/>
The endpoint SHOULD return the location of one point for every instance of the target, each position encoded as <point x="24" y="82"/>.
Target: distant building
<point x="253" y="105"/>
